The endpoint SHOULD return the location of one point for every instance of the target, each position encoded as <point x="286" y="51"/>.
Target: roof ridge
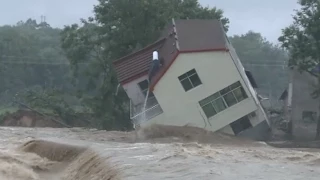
<point x="137" y="52"/>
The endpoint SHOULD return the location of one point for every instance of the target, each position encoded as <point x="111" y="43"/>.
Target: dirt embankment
<point x="27" y="118"/>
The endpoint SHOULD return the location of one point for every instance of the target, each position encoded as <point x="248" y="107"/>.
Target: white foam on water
<point x="223" y="157"/>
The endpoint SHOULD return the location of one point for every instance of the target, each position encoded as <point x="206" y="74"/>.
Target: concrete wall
<point x="302" y="87"/>
<point x="133" y="90"/>
<point x="287" y="103"/>
<point x="260" y="128"/>
<point x="260" y="132"/>
<point x="216" y="71"/>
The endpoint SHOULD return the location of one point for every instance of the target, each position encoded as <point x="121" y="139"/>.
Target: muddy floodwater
<point x="80" y="154"/>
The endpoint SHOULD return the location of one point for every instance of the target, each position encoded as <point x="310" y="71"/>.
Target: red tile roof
<point x="191" y="36"/>
<point x="199" y="35"/>
<point x="136" y="64"/>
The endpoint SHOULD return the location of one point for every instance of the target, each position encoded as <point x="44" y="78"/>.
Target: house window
<point x="309" y="116"/>
<point x="223" y="99"/>
<point x="189" y="80"/>
<point x="252" y="115"/>
<point x="241" y="125"/>
<point x="144" y="86"/>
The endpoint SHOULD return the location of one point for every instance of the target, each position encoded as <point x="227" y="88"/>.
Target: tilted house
<point x="196" y="79"/>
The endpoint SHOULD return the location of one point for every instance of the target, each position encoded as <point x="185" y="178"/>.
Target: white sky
<point x="266" y="17"/>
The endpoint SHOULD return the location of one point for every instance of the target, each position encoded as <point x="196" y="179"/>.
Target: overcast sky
<point x="266" y="17"/>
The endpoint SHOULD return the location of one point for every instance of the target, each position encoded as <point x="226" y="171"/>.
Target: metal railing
<point x="138" y="115"/>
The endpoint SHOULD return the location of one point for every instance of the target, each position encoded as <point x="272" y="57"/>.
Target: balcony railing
<point x="138" y="116"/>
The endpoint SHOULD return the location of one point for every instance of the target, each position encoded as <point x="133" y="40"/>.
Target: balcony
<point x="138" y="116"/>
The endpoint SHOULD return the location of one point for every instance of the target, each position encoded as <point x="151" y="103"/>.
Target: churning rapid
<point x="153" y="153"/>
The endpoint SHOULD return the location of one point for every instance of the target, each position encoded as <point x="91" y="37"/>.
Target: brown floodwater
<point x="88" y="154"/>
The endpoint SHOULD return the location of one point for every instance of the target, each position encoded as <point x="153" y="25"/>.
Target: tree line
<point x="70" y="70"/>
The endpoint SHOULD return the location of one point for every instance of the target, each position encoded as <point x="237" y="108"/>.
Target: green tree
<point x="118" y="28"/>
<point x="302" y="40"/>
<point x="32" y="61"/>
<point x="26" y="52"/>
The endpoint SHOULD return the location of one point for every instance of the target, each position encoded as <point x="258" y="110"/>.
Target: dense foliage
<point x="28" y="52"/>
<point x="33" y="66"/>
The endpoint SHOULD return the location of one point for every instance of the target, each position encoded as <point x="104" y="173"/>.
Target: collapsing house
<point x="195" y="78"/>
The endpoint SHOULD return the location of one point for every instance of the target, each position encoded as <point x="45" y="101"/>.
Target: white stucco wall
<point x="133" y="90"/>
<point x="216" y="71"/>
<point x="253" y="120"/>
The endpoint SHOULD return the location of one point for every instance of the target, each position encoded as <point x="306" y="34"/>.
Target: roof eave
<point x="128" y="80"/>
<point x="205" y="50"/>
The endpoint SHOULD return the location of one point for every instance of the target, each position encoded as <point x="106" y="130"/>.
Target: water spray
<point x="117" y="89"/>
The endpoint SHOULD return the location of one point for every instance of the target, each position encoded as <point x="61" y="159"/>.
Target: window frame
<point x="306" y="114"/>
<point x="241" y="125"/>
<point x="187" y="76"/>
<point x="144" y="91"/>
<point x="221" y="95"/>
